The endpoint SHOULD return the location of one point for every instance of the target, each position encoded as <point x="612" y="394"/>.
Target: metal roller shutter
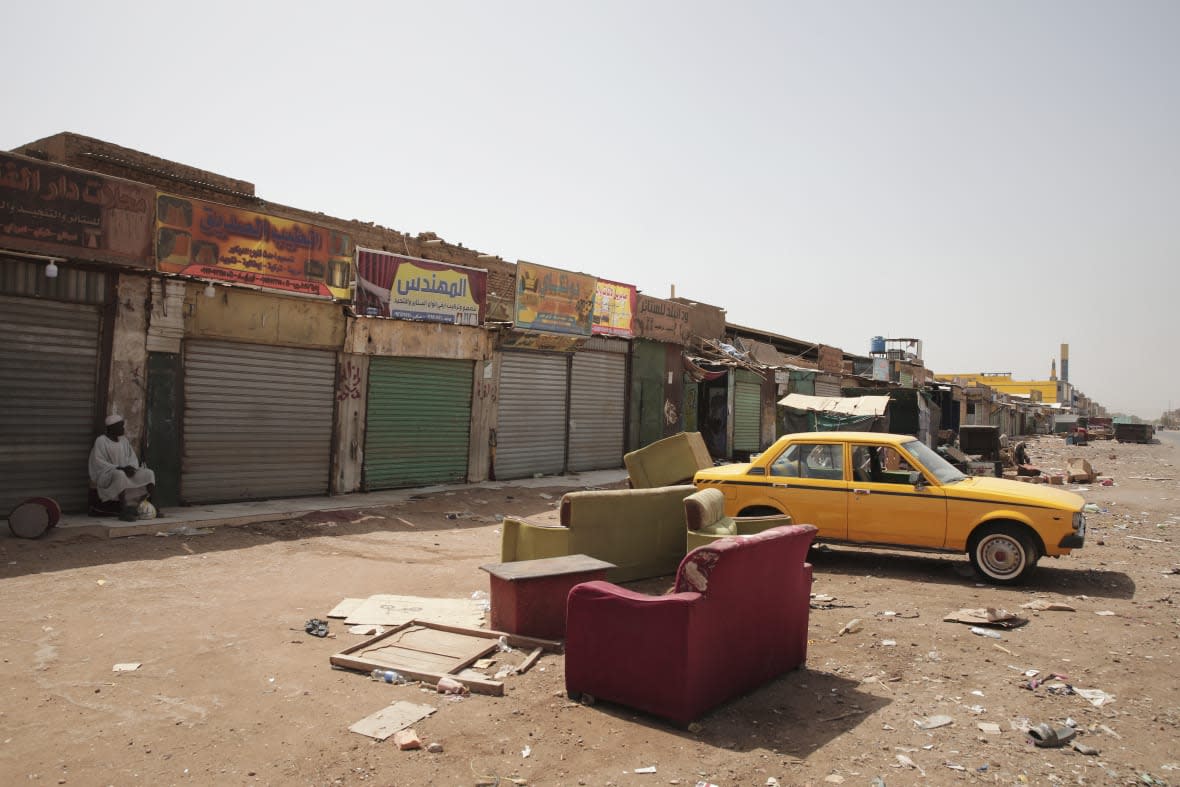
<point x="747" y="414"/>
<point x="257" y="421"/>
<point x="597" y="410"/>
<point x="48" y="377"/>
<point x="418" y="424"/>
<point x="530" y="436"/>
<point x="827" y="385"/>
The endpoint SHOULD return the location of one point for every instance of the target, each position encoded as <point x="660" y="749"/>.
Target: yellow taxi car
<point x="889" y="490"/>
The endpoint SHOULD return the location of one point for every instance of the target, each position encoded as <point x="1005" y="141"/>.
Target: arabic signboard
<point x="662" y="321"/>
<point x="614" y="309"/>
<point x="548" y="299"/>
<point x="49" y="209"/>
<point x="408" y="288"/>
<point x="212" y="241"/>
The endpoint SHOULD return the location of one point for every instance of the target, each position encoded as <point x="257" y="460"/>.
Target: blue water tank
<point x="877" y="344"/>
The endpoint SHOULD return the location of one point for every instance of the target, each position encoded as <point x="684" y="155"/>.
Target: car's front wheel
<point x="1003" y="553"/>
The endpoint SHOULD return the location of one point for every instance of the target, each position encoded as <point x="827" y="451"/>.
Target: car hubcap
<point x="1000" y="556"/>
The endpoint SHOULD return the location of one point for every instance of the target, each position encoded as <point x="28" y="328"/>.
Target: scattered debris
<point x="982" y="632"/>
<point x="851" y="627"/>
<point x="933" y="722"/>
<point x="989" y="616"/>
<point x="646" y="769"/>
<point x="451" y="686"/>
<point x="366" y="630"/>
<point x="129" y="666"/>
<point x="407" y="740"/>
<point x="989" y="727"/>
<point x="435" y="748"/>
<point x="1040" y="605"/>
<point x="1048" y="737"/>
<point x="316" y="627"/>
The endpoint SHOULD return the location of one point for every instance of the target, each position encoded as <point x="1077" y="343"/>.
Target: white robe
<point x="106" y="459"/>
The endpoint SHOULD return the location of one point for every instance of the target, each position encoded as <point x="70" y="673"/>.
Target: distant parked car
<point x="874" y="489"/>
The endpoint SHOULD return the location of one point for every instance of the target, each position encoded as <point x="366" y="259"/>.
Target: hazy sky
<point x="992" y="177"/>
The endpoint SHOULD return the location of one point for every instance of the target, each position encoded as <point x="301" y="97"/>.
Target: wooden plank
<point x="514" y="640"/>
<point x="492" y="688"/>
<point x="528" y="663"/>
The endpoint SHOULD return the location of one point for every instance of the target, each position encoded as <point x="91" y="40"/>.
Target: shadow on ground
<point x="1052" y="576"/>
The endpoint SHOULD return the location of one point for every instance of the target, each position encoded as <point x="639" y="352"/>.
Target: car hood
<point x="1016" y="492"/>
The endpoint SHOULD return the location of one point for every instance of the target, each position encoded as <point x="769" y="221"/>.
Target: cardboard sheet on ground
<point x="389" y="720"/>
<point x="390" y="610"/>
<point x="996" y="618"/>
<point x="345" y="607"/>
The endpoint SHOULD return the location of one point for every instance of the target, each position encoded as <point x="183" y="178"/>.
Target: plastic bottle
<point x="986" y="632"/>
<point x="387" y="675"/>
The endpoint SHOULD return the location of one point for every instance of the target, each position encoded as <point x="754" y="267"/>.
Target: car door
<point x="885" y="508"/>
<point x="807" y="480"/>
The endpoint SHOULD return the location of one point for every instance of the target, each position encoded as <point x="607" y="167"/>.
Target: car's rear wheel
<point x="1004" y="554"/>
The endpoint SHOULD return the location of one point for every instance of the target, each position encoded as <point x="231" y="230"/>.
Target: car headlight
<point x="1079" y="522"/>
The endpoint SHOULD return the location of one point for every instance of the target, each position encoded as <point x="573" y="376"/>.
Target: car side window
<point x="824" y="461"/>
<point x="787" y="463"/>
<point x="893" y="467"/>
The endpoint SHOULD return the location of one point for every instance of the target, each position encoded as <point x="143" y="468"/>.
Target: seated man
<point x="115" y="470"/>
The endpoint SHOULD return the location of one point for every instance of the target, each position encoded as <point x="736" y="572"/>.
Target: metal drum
<point x="34" y="517"/>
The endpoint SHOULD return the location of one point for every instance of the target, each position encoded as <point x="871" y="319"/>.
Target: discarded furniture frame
<point x="426" y="651"/>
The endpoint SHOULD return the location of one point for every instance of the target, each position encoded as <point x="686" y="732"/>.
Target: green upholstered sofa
<point x="673" y="460"/>
<point x="641" y="531"/>
<point x="704" y="515"/>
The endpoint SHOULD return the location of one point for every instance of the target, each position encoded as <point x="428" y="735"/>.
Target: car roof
<point x="848" y="437"/>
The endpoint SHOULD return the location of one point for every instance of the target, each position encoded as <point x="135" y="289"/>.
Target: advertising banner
<point x="662" y="321"/>
<point x="55" y="210"/>
<point x="881" y="369"/>
<point x="548" y="299"/>
<point x="614" y="309"/>
<point x="391" y="285"/>
<point x="212" y="241"/>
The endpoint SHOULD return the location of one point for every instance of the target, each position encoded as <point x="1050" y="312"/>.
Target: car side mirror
<point x="918" y="480"/>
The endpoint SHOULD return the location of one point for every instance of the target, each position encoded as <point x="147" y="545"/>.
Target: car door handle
<point x="861" y="491"/>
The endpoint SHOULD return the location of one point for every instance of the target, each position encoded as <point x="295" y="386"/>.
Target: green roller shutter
<point x="418" y="422"/>
<point x="747" y="411"/>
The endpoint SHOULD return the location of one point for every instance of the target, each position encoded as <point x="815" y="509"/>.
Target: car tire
<point x="1004" y="554"/>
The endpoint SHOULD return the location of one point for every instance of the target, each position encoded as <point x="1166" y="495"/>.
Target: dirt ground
<point x="232" y="691"/>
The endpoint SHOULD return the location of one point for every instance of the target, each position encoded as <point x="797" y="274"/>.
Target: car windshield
<point x="943" y="470"/>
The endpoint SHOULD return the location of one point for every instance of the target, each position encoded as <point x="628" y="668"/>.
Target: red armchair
<point x="736" y="619"/>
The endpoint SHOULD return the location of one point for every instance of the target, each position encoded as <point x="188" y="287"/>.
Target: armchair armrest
<point x="521" y="540"/>
<point x="617" y="640"/>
